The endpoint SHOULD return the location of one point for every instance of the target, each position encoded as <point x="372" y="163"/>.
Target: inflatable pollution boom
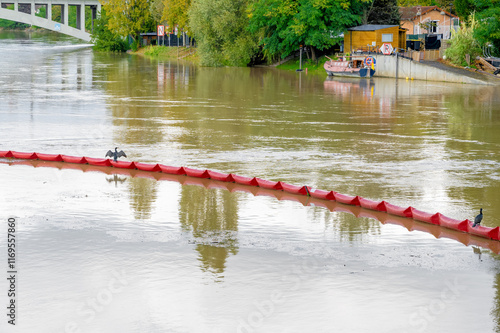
<point x="380" y="210"/>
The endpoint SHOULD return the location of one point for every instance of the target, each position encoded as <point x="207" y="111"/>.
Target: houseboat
<point x="353" y="66"/>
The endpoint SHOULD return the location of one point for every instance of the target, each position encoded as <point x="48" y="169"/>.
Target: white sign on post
<point x="161" y="30"/>
<point x="386" y="48"/>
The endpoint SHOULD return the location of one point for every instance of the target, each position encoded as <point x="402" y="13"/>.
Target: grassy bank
<point x="189" y="54"/>
<point x="166" y="52"/>
<point x="313" y="67"/>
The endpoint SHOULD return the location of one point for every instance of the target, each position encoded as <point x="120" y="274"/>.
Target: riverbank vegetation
<point x="245" y="32"/>
<point x="165" y="52"/>
<point x="481" y="30"/>
<point x="104" y="39"/>
<point x="312" y="66"/>
<point x="462" y="43"/>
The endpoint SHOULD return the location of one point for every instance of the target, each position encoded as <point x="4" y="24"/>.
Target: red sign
<point x="161" y="30"/>
<point x="386" y="48"/>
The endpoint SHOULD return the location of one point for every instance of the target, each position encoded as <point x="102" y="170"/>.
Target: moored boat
<point x="351" y="66"/>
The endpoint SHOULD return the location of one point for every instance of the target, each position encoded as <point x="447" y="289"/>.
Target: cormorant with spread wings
<point x="116" y="154"/>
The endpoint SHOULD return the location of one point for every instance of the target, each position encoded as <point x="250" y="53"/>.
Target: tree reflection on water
<point x="212" y="218"/>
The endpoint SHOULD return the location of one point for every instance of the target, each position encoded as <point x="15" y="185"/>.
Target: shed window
<point x="386" y="38"/>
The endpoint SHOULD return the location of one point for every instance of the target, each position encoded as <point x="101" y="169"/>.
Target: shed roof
<point x="371" y="27"/>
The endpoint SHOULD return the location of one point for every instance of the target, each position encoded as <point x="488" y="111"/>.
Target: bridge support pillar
<point x="94" y="15"/>
<point x="49" y="10"/>
<point x="64" y="13"/>
<point x="82" y="17"/>
<point x="78" y="22"/>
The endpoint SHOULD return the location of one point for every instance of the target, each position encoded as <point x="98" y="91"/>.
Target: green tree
<point x="104" y="39"/>
<point x="464" y="8"/>
<point x="175" y="12"/>
<point x="156" y="10"/>
<point x="129" y="18"/>
<point x="488" y="16"/>
<point x="383" y="12"/>
<point x="7" y="24"/>
<point x="318" y="24"/>
<point x="219" y="27"/>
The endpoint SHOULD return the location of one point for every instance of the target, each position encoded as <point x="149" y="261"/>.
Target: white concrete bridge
<point x="23" y="11"/>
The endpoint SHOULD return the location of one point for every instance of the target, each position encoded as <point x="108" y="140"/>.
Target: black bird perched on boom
<point x="478" y="219"/>
<point x="116" y="154"/>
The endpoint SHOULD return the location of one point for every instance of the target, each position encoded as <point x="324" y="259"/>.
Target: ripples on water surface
<point x="115" y="253"/>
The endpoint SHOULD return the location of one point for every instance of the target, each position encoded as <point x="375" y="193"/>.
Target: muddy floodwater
<point x="97" y="251"/>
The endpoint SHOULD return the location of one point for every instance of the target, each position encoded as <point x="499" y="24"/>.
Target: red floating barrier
<point x="373" y="205"/>
<point x="24" y="156"/>
<point x="347" y="199"/>
<point x="196" y="173"/>
<point x="279" y="186"/>
<point x="98" y="161"/>
<point x="49" y="157"/>
<point x="172" y="170"/>
<point x="436" y="219"/>
<point x="73" y="159"/>
<point x="267" y="184"/>
<point x="399" y="211"/>
<point x="495" y="233"/>
<point x="421" y="216"/>
<point x="325" y="195"/>
<point x="450" y="223"/>
<point x="243" y="180"/>
<point x="124" y="165"/>
<point x="294" y="189"/>
<point x="491" y="233"/>
<point x="148" y="167"/>
<point x="223" y="177"/>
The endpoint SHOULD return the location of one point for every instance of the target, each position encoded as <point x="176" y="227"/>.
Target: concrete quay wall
<point x="406" y="68"/>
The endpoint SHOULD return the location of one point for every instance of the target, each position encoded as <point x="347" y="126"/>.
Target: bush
<point x="462" y="43"/>
<point x="104" y="39"/>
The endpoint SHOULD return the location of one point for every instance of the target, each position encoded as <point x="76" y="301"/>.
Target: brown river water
<point x="104" y="252"/>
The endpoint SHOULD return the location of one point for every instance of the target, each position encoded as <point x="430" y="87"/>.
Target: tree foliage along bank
<point x="220" y="29"/>
<point x="233" y="32"/>
<point x="284" y="25"/>
<point x="106" y="40"/>
<point x="129" y="18"/>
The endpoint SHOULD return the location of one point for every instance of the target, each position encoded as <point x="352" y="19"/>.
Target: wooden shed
<point x="370" y="37"/>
